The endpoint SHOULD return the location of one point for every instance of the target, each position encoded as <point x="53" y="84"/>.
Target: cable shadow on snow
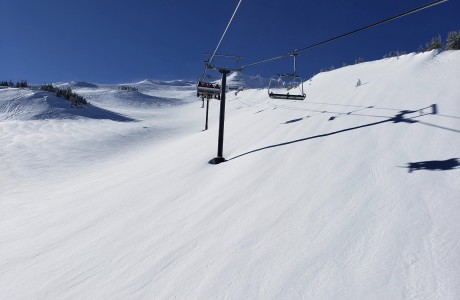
<point x="398" y="118"/>
<point x="340" y="105"/>
<point x="361" y="108"/>
<point x="434" y="165"/>
<point x="440" y="127"/>
<point x="447" y="116"/>
<point x="336" y="114"/>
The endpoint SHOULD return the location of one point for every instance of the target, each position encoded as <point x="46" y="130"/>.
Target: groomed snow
<point x="315" y="201"/>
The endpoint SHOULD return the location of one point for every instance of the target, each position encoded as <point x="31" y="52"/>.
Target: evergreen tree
<point x="453" y="40"/>
<point x="435" y="43"/>
<point x="22" y="84"/>
<point x="73" y="98"/>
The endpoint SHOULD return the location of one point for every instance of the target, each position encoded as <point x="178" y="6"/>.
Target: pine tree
<point x="435" y="43"/>
<point x="453" y="40"/>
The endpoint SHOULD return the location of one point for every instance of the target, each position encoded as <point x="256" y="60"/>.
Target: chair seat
<point x="287" y="96"/>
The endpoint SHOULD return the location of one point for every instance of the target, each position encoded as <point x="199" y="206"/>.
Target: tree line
<point x="452" y="42"/>
<point x="19" y="84"/>
<point x="73" y="98"/>
<point x="128" y="88"/>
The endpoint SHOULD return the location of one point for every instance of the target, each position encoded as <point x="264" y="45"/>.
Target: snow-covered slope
<point x="350" y="194"/>
<point x="33" y="104"/>
<point x="241" y="80"/>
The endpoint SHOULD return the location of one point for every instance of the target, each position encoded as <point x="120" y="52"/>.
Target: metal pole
<point x="295" y="71"/>
<point x="294" y="66"/>
<point x="207" y="112"/>
<point x="220" y="146"/>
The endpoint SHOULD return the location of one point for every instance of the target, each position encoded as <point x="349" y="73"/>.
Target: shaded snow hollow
<point x="350" y="194"/>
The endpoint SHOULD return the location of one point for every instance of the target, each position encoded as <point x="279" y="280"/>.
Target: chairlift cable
<point x="350" y="33"/>
<point x="376" y="24"/>
<point x="225" y="31"/>
<point x="265" y="61"/>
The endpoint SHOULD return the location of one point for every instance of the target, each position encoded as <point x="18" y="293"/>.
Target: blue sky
<point x="125" y="41"/>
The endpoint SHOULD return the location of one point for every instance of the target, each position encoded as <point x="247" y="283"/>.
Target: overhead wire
<point x="296" y="51"/>
<point x="225" y="31"/>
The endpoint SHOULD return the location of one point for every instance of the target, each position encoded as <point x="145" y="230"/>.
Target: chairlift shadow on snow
<point x="434" y="165"/>
<point x="293" y="121"/>
<point x="400" y="117"/>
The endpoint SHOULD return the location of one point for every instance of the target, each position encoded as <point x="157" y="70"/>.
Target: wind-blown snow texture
<point x="350" y="194"/>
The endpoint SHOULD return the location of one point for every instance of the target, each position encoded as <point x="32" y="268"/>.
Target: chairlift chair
<point x="207" y="89"/>
<point x="207" y="86"/>
<point x="287" y="86"/>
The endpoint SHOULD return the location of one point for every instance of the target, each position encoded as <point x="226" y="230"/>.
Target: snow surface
<point x="117" y="200"/>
